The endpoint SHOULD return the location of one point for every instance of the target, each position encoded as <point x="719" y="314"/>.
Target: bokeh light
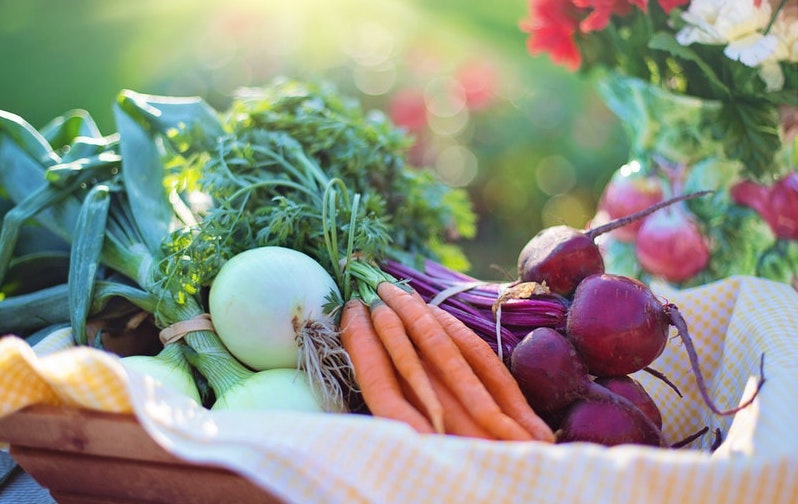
<point x="531" y="143"/>
<point x="555" y="175"/>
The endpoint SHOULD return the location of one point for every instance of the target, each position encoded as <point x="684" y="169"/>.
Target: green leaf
<point x="143" y="175"/>
<point x="65" y="129"/>
<point x="664" y="41"/>
<point x="85" y="257"/>
<point x="750" y="132"/>
<point x="27" y="138"/>
<point x="188" y="122"/>
<point x="22" y="179"/>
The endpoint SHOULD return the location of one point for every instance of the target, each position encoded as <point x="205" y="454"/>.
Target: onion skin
<point x="169" y="373"/>
<point x="262" y="298"/>
<point x="273" y="389"/>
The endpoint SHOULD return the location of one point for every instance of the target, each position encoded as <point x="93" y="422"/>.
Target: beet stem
<point x="681" y="326"/>
<point x="660" y="375"/>
<point x="689" y="439"/>
<point x="623" y="221"/>
<point x="718" y="440"/>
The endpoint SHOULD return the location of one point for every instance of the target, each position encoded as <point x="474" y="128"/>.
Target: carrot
<point x="374" y="370"/>
<point x="494" y="374"/>
<point x="406" y="360"/>
<point x="457" y="421"/>
<point x="435" y="346"/>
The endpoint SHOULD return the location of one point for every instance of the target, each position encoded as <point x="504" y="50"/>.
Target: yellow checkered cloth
<point x="57" y="372"/>
<point x="315" y="457"/>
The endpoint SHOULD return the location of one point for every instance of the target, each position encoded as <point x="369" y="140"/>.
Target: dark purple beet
<point x="631" y="389"/>
<point x="618" y="327"/>
<point x="548" y="370"/>
<point x="608" y="419"/>
<point x="616" y="324"/>
<point x="561" y="256"/>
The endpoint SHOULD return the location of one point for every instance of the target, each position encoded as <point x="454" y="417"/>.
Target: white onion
<point x="167" y="369"/>
<point x="273" y="389"/>
<point x="261" y="300"/>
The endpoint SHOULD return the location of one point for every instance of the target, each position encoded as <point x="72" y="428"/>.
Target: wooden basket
<point x="92" y="457"/>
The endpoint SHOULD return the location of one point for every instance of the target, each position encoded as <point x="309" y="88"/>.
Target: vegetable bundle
<point x="282" y="255"/>
<point x="150" y="214"/>
<point x="579" y="377"/>
<point x="571" y="348"/>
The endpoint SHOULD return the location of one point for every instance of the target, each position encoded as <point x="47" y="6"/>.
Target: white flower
<point x="785" y="39"/>
<point x="740" y="25"/>
<point x="752" y="50"/>
<point x="720" y="22"/>
<point x="785" y="29"/>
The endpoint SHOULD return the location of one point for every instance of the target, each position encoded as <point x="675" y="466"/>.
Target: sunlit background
<point x="531" y="142"/>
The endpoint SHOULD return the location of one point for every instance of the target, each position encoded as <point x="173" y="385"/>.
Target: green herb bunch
<point x="304" y="167"/>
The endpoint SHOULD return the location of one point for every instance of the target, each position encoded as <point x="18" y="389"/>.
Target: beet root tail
<point x="681" y="326"/>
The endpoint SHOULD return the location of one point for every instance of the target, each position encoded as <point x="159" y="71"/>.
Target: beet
<point x="631" y="389"/>
<point x="555" y="382"/>
<point x="670" y="245"/>
<point x="548" y="370"/>
<point x="627" y="192"/>
<point x="609" y="419"/>
<point x="561" y="256"/>
<point x="777" y="203"/>
<point x="606" y="423"/>
<point x="616" y="324"/>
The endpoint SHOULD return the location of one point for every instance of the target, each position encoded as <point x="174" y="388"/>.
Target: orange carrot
<point x="437" y="348"/>
<point x="406" y="360"/>
<point x="457" y="421"/>
<point x="494" y="374"/>
<point x="374" y="370"/>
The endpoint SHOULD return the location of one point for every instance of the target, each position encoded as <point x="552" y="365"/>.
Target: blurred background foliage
<point x="531" y="142"/>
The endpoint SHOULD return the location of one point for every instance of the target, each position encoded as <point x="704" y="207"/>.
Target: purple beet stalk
<point x="474" y="302"/>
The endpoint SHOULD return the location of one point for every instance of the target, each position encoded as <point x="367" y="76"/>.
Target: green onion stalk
<point x="59" y="192"/>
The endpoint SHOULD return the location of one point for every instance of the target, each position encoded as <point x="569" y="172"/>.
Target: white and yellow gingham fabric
<point x="60" y="374"/>
<point x="309" y="458"/>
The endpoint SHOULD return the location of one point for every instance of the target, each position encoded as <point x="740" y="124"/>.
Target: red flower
<point x="603" y="10"/>
<point x="552" y="25"/>
<point x="669" y="5"/>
